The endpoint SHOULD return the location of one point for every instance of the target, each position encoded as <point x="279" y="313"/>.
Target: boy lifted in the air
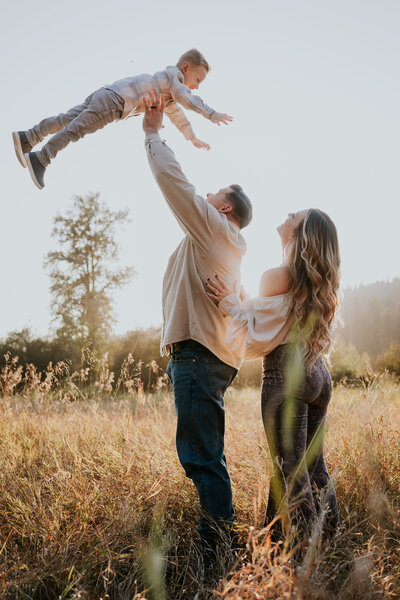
<point x="120" y="100"/>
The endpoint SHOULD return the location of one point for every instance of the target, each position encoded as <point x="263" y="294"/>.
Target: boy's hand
<point x="199" y="143"/>
<point x="154" y="110"/>
<point x="219" y="118"/>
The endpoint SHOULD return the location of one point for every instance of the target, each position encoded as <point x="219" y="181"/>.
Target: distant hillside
<point x="371" y="315"/>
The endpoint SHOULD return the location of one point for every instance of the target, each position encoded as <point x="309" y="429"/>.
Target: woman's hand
<point x="217" y="289"/>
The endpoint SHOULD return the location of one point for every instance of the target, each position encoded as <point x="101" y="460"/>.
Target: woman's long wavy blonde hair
<point x="313" y="259"/>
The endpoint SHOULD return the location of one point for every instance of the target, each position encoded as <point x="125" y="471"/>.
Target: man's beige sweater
<point x="213" y="245"/>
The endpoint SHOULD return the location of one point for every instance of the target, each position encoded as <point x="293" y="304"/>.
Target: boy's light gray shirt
<point x="212" y="245"/>
<point x="170" y="83"/>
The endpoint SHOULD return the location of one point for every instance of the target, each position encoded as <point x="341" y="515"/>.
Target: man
<point x="201" y="366"/>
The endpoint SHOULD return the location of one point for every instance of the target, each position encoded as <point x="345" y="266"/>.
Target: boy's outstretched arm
<point x="178" y="118"/>
<point x="182" y="94"/>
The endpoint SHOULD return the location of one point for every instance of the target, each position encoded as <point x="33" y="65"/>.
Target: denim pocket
<point x="220" y="376"/>
<point x="169" y="367"/>
<point x="182" y="371"/>
<point x="183" y="356"/>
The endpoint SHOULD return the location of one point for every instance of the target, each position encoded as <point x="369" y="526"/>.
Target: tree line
<point x="84" y="272"/>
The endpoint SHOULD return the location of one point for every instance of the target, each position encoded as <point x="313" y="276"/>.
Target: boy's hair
<point x="242" y="209"/>
<point x="195" y="58"/>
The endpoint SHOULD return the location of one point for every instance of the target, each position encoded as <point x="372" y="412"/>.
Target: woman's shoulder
<point x="275" y="282"/>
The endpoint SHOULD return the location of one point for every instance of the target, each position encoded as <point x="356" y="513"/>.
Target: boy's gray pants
<point x="100" y="108"/>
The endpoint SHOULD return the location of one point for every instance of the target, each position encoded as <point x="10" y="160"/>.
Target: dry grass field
<point x="94" y="504"/>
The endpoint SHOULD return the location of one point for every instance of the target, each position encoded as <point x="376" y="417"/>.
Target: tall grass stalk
<point x="90" y="485"/>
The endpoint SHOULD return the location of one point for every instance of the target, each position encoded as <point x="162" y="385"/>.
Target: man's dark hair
<point x="242" y="209"/>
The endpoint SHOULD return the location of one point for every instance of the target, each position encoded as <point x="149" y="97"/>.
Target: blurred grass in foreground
<point x="94" y="504"/>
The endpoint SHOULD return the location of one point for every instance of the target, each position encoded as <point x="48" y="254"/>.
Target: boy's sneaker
<point x="21" y="145"/>
<point x="36" y="169"/>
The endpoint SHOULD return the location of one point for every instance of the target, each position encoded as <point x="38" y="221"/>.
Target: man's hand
<point x="200" y="144"/>
<point x="219" y="118"/>
<point x="154" y="110"/>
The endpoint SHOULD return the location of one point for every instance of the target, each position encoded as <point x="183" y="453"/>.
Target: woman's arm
<point x="264" y="323"/>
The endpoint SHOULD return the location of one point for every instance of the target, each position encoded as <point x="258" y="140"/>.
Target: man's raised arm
<point x="196" y="216"/>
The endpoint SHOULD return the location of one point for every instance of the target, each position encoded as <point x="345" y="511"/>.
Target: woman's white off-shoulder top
<point x="258" y="327"/>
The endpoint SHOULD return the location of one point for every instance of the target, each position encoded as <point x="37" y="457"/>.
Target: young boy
<point x="121" y="99"/>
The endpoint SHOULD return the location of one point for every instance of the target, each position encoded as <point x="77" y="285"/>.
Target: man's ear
<point x="225" y="208"/>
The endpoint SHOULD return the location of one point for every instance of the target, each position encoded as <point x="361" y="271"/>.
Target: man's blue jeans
<point x="199" y="380"/>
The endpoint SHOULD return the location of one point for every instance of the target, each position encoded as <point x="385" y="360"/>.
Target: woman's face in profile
<point x="286" y="229"/>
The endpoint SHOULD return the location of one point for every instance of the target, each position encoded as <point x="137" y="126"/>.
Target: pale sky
<point x="314" y="89"/>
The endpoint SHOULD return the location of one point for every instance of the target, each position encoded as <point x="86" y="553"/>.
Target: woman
<point x="290" y="325"/>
